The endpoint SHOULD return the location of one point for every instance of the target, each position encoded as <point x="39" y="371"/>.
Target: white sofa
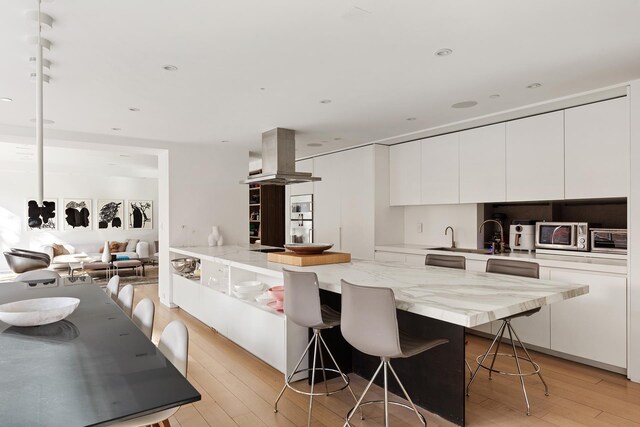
<point x="62" y="261"/>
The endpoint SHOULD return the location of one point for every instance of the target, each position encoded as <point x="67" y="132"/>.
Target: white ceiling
<point x="373" y="58"/>
<point x="78" y="162"/>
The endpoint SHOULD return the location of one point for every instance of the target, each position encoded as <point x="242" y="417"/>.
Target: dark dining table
<point x="93" y="368"/>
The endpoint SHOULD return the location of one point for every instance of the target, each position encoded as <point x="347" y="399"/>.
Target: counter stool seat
<point x="522" y="269"/>
<point x="370" y="325"/>
<point x="302" y="306"/>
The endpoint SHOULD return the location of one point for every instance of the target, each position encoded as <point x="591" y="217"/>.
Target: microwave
<point x="569" y="236"/>
<point x="609" y="240"/>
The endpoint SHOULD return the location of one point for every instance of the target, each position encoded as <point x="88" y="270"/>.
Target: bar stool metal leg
<point x="317" y="342"/>
<point x="513" y="337"/>
<point x="385" y="365"/>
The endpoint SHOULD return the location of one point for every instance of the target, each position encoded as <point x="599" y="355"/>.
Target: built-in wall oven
<point x="570" y="236"/>
<point x="301" y="225"/>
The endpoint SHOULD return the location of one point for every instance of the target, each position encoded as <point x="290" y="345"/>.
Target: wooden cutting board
<point x="304" y="260"/>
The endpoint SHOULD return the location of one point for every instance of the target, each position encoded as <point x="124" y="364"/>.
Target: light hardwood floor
<point x="238" y="390"/>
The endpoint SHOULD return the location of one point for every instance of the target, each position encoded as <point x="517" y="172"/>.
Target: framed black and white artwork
<point x="110" y="214"/>
<point x="140" y="214"/>
<point x="77" y="214"/>
<point x="42" y="217"/>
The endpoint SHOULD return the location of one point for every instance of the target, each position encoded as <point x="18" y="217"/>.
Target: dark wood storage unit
<point x="266" y="214"/>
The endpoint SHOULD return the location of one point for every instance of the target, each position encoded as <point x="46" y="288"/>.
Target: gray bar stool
<point x="449" y="261"/>
<point x="522" y="269"/>
<point x="370" y="325"/>
<point x="302" y="306"/>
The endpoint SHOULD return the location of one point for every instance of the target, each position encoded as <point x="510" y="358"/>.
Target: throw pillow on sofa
<point x="59" y="250"/>
<point x="131" y="245"/>
<point x="122" y="247"/>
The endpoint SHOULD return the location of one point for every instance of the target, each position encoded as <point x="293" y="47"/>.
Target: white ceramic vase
<point x="106" y="252"/>
<point x="214" y="236"/>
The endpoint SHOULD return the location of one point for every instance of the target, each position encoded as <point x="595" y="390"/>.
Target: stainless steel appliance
<point x="609" y="240"/>
<point x="522" y="236"/>
<point x="301" y="226"/>
<point x="279" y="160"/>
<point x="570" y="236"/>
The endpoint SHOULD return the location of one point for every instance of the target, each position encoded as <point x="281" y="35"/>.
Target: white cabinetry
<point x="482" y="164"/>
<point x="305" y="187"/>
<point x="535" y="158"/>
<point x="344" y="201"/>
<point x="439" y="165"/>
<point x="593" y="326"/>
<point x="404" y="179"/>
<point x="597" y="150"/>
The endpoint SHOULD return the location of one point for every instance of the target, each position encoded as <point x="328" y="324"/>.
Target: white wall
<point x="18" y="186"/>
<point x="633" y="362"/>
<point x="463" y="218"/>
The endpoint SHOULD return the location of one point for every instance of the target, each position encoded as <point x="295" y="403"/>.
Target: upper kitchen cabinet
<point x="482" y="164"/>
<point x="597" y="150"/>
<point x="305" y="187"/>
<point x="440" y="170"/>
<point x="535" y="158"/>
<point x="404" y="174"/>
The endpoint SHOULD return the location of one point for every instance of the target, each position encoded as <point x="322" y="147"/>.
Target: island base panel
<point x="435" y="379"/>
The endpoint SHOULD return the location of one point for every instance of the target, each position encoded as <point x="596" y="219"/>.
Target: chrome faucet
<point x="500" y="249"/>
<point x="453" y="241"/>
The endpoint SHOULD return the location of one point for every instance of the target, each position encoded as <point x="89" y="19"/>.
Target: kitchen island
<point x="432" y="302"/>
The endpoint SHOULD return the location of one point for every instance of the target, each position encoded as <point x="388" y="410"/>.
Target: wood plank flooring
<point x="238" y="390"/>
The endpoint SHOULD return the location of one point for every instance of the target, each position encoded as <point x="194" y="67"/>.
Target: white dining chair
<point x="125" y="299"/>
<point x="37" y="275"/>
<point x="113" y="287"/>
<point x="174" y="345"/>
<point x="143" y="315"/>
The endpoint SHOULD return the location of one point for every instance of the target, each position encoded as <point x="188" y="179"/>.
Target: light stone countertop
<point x="584" y="262"/>
<point x="460" y="297"/>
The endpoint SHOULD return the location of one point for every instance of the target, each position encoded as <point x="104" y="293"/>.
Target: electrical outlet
<point x="419" y="227"/>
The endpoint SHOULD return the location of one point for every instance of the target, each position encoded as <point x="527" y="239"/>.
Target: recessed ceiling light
<point x="134" y="109"/>
<point x="534" y="85"/>
<point x="124" y="155"/>
<point x="411" y="119"/>
<point x="225" y="140"/>
<point x="44" y="121"/>
<point x="263" y="88"/>
<point x="314" y="144"/>
<point x="6" y="99"/>
<point x="494" y="96"/>
<point x="443" y="52"/>
<point x="337" y="139"/>
<point x="464" y="104"/>
<point x="116" y="129"/>
<point x="325" y="101"/>
<point x="169" y="67"/>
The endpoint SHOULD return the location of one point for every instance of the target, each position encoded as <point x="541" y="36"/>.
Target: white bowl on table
<point x="37" y="311"/>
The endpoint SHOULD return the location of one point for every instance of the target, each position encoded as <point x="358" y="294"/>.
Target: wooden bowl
<point x="308" y="248"/>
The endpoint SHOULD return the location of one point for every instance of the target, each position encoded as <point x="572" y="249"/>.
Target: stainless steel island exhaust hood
<point x="279" y="160"/>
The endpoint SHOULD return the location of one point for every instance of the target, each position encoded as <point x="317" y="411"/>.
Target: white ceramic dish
<point x="264" y="298"/>
<point x="38" y="311"/>
<point x="247" y="296"/>
<point x="249" y="287"/>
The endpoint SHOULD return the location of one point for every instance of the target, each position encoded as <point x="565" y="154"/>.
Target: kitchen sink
<point x="462" y="250"/>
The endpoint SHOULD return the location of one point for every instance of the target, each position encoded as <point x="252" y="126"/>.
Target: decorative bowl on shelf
<point x="308" y="248"/>
<point x="37" y="311"/>
<point x="185" y="265"/>
<point x="249" y="287"/>
<point x="277" y="293"/>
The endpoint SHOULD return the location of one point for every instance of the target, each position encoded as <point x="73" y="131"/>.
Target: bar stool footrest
<point x="345" y="379"/>
<point x="381" y="402"/>
<point x="512" y="374"/>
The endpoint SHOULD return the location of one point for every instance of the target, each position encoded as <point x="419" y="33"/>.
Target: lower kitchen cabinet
<point x="593" y="326"/>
